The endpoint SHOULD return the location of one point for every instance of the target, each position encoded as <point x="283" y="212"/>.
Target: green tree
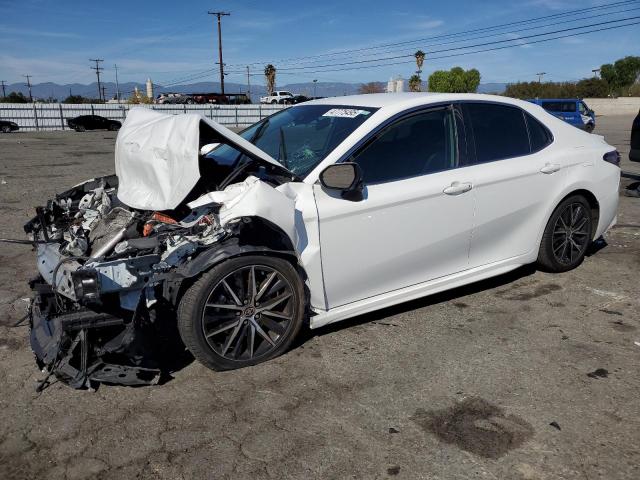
<point x="592" y="88"/>
<point x="75" y="99"/>
<point x="621" y="75"/>
<point x="419" y="60"/>
<point x="270" y="75"/>
<point x="16" y="97"/>
<point x="415" y="83"/>
<point x="472" y="80"/>
<point x="455" y="80"/>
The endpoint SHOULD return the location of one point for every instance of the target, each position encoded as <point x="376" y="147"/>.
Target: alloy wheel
<point x="248" y="313"/>
<point x="571" y="233"/>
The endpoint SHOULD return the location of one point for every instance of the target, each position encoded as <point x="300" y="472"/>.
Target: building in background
<point x="395" y="85"/>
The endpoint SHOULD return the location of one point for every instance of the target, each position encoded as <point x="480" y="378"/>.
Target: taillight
<point x="612" y="157"/>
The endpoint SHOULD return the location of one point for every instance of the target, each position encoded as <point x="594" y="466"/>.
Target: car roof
<point x="411" y="99"/>
<point x="555" y="100"/>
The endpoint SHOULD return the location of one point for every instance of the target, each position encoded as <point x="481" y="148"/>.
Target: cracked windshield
<point x="300" y="137"/>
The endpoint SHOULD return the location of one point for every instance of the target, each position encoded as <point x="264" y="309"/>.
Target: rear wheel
<point x="6" y="129"/>
<point x="244" y="311"/>
<point x="113" y="127"/>
<point x="566" y="236"/>
<point x="80" y="128"/>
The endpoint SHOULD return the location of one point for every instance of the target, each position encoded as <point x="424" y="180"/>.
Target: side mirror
<point x="207" y="148"/>
<point x="345" y="177"/>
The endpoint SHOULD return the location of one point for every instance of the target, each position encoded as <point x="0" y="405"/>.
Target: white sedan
<point x="324" y="211"/>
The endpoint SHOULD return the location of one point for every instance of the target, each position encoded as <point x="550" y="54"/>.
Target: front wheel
<point x="243" y="311"/>
<point x="6" y="129"/>
<point x="589" y="127"/>
<point x="566" y="236"/>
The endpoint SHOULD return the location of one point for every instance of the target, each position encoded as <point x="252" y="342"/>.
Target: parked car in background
<point x="318" y="213"/>
<point x="93" y="122"/>
<point x="294" y="100"/>
<point x="7" y="127"/>
<point x="572" y="110"/>
<point x="634" y="153"/>
<point x="278" y="97"/>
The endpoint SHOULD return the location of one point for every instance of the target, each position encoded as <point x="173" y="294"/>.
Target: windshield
<point x="299" y="137"/>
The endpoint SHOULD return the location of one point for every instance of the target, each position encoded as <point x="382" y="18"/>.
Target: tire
<point x="274" y="102"/>
<point x="589" y="127"/>
<point x="228" y="338"/>
<point x="6" y="129"/>
<point x="114" y="128"/>
<point x="80" y="128"/>
<point x="560" y="250"/>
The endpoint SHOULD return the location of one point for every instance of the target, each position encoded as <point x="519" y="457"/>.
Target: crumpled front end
<point x="110" y="275"/>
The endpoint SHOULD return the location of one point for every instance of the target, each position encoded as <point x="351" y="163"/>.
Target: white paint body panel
<point x="407" y="239"/>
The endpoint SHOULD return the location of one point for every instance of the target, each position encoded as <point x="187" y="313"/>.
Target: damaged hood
<point x="157" y="156"/>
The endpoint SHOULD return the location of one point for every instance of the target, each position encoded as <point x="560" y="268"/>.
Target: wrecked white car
<point x="321" y="212"/>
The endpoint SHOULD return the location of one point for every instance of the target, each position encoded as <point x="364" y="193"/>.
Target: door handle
<point x="550" y="168"/>
<point x="457" y="188"/>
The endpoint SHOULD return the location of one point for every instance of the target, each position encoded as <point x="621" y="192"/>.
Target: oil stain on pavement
<point x="476" y="426"/>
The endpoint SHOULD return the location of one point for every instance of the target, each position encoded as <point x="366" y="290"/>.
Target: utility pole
<point x="596" y="71"/>
<point x="28" y="77"/>
<point x="540" y="75"/>
<point x="248" y="84"/>
<point x="98" y="69"/>
<point x="314" y="87"/>
<point x="219" y="15"/>
<point x="104" y="97"/>
<point x="4" y="93"/>
<point x="117" y="84"/>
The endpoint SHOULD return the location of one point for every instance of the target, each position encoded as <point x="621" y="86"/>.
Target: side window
<point x="539" y="136"/>
<point x="568" y="106"/>
<point x="499" y="130"/>
<point x="418" y="145"/>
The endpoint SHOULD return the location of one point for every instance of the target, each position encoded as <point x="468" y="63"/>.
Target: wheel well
<point x="593" y="203"/>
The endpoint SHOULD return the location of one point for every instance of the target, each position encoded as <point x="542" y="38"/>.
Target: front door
<point x="414" y="221"/>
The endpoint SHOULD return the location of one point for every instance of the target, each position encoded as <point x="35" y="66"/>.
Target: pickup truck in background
<point x="281" y="96"/>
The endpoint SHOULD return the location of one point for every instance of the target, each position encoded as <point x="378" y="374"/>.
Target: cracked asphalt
<point x="524" y="376"/>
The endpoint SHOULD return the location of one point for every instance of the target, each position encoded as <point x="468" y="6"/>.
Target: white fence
<point x="54" y="116"/>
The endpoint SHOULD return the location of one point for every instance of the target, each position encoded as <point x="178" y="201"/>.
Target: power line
<point x="98" y="69"/>
<point x="354" y="62"/>
<point x="219" y="15"/>
<point x="462" y="33"/>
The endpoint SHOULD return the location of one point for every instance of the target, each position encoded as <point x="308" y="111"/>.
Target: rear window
<point x="499" y="130"/>
<point x="559" y="106"/>
<point x="539" y="136"/>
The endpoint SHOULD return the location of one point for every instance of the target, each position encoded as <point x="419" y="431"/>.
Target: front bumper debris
<point x="82" y="347"/>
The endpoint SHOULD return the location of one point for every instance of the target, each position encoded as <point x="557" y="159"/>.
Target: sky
<point x="171" y="41"/>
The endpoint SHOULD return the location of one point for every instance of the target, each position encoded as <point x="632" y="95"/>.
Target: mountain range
<point x="321" y="89"/>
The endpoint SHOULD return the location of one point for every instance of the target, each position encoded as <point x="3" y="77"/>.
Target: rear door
<point x="514" y="177"/>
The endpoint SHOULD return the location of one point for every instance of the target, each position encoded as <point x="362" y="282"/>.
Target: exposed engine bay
<point x="110" y="275"/>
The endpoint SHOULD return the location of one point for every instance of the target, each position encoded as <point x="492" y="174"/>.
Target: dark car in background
<point x="634" y="153"/>
<point x="93" y="122"/>
<point x="8" y="127"/>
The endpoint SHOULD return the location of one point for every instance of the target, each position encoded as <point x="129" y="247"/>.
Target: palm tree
<point x="415" y="83"/>
<point x="270" y="74"/>
<point x="419" y="60"/>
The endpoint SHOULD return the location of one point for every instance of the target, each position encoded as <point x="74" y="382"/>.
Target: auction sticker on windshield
<point x="345" y="113"/>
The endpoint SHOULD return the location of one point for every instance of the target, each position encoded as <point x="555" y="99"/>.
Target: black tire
<point x="114" y="127"/>
<point x="589" y="127"/>
<point x="192" y="325"/>
<point x="6" y="129"/>
<point x="80" y="128"/>
<point x="274" y="102"/>
<point x="560" y="250"/>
